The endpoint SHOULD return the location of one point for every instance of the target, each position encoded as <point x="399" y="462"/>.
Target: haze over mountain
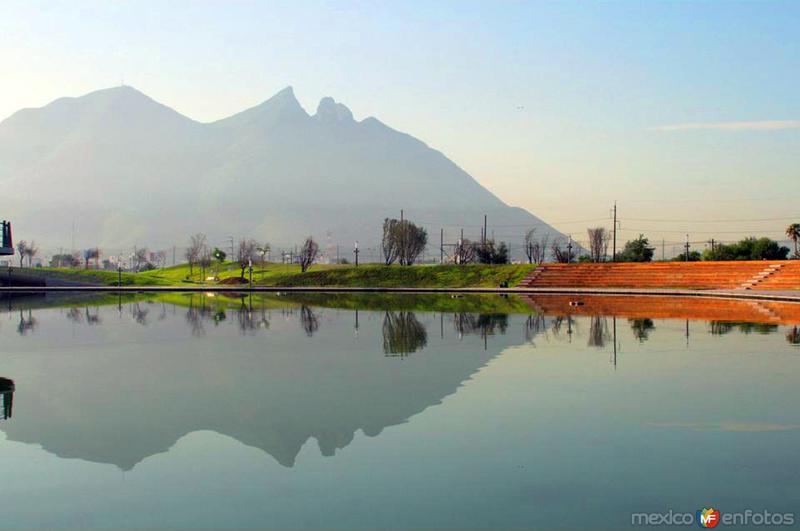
<point x="128" y="170"/>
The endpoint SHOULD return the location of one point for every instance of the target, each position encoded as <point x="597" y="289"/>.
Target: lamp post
<point x="569" y="249"/>
<point x="356" y="251"/>
<point x="250" y="267"/>
<point x="119" y="274"/>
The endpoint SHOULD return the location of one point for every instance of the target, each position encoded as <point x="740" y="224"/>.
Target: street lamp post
<point x="250" y="267"/>
<point x="119" y="274"/>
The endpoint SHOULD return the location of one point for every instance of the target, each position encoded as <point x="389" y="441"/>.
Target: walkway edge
<point x="729" y="294"/>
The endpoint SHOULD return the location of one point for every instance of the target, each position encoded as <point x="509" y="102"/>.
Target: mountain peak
<point x="329" y="111"/>
<point x="282" y="106"/>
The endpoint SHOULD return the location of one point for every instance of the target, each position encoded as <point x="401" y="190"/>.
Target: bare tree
<point x="539" y="250"/>
<point x="412" y="241"/>
<point x="196" y="245"/>
<point x="31" y="252"/>
<point x="390" y="246"/>
<point x="204" y="261"/>
<point x="598" y="243"/>
<point x="464" y="252"/>
<point x="246" y="254"/>
<point x="308" y="253"/>
<point x="561" y="253"/>
<point x="263" y="250"/>
<point x="139" y="257"/>
<point x="22" y="250"/>
<point x="308" y="320"/>
<point x="402" y="241"/>
<point x="530" y="241"/>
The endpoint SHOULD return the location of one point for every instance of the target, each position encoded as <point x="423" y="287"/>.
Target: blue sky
<point x="679" y="111"/>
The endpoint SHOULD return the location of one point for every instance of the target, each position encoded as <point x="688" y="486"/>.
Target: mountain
<point x="127" y="170"/>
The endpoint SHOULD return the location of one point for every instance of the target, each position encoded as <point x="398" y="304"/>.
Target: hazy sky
<point x="679" y="111"/>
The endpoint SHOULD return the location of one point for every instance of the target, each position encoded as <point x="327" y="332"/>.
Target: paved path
<point x="786" y="296"/>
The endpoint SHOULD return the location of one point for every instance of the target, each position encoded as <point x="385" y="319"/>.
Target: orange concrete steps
<point x="697" y="275"/>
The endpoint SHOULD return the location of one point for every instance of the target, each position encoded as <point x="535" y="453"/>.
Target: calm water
<point x="277" y="413"/>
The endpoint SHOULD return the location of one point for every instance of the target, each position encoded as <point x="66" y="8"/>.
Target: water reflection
<point x="27" y="323"/>
<point x="260" y="389"/>
<point x="793" y="336"/>
<point x="725" y="327"/>
<point x="6" y="397"/>
<point x="641" y="328"/>
<point x="308" y="320"/>
<point x="403" y="334"/>
<point x="598" y="331"/>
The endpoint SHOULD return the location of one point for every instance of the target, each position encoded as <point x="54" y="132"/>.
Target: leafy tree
<point x="490" y="253"/>
<point x="637" y="250"/>
<point x="793" y="233"/>
<point x="219" y="255"/>
<point x="694" y="256"/>
<point x="748" y="249"/>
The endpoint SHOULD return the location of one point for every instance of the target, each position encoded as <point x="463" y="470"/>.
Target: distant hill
<point x="130" y="171"/>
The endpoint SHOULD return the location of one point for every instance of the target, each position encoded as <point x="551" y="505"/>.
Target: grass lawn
<point x="371" y="275"/>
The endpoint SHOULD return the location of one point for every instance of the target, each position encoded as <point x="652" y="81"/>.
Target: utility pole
<point x="441" y="246"/>
<point x="484" y="229"/>
<point x="173" y="256"/>
<point x="686" y="245"/>
<point x="662" y="249"/>
<point x="401" y="215"/>
<point x="569" y="249"/>
<point x="356" y="251"/>
<point x="614" y="247"/>
<point x="337" y="253"/>
<point x="231" y="239"/>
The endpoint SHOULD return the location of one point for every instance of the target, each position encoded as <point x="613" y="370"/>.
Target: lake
<point x="306" y="411"/>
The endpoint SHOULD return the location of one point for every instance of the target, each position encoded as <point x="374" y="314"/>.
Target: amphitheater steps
<point x="744" y="275"/>
<point x="762" y="276"/>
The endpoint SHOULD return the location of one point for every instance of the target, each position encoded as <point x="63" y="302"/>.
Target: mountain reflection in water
<point x="269" y="371"/>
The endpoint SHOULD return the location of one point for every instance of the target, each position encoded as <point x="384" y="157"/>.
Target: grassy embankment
<point x="372" y="275"/>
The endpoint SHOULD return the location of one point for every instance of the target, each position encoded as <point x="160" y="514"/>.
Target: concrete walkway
<point x="785" y="296"/>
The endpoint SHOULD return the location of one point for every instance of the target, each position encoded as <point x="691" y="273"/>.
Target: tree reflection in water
<point x="598" y="331"/>
<point x="6" y="397"/>
<point x="250" y="321"/>
<point x="309" y="320"/>
<point x="26" y="324"/>
<point x="793" y="336"/>
<point x="723" y="327"/>
<point x="534" y="325"/>
<point x="139" y="313"/>
<point x="403" y="334"/>
<point x="483" y="323"/>
<point x="642" y="328"/>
